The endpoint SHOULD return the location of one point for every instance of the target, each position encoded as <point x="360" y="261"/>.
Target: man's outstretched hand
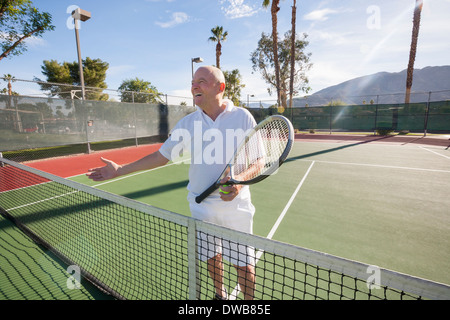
<point x="109" y="171"/>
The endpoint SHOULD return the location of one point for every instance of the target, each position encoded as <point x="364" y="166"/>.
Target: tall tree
<point x="263" y="61"/>
<point x="64" y="78"/>
<point x="20" y="20"/>
<point x="139" y="91"/>
<point x="412" y="51"/>
<point x="218" y="36"/>
<point x="274" y="12"/>
<point x="233" y="80"/>
<point x="291" y="84"/>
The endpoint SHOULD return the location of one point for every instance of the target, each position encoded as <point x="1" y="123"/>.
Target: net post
<point x="194" y="285"/>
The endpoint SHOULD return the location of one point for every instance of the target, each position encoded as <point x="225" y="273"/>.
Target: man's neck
<point x="214" y="111"/>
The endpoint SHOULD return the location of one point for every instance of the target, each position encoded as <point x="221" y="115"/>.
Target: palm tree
<point x="412" y="52"/>
<point x="291" y="84"/>
<point x="274" y="11"/>
<point x="9" y="78"/>
<point x="218" y="36"/>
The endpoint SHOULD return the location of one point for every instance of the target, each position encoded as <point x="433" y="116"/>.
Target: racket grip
<point x="206" y="193"/>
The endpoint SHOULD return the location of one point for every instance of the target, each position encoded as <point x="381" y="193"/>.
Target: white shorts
<point x="237" y="214"/>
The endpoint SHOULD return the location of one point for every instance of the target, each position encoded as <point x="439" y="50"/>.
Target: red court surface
<point x="78" y="164"/>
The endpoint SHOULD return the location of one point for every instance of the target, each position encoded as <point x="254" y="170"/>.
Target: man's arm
<point x="112" y="169"/>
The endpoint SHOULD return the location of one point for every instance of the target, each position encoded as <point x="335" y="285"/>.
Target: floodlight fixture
<point x="80" y="14"/>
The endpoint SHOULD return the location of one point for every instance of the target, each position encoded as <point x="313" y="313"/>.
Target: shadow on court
<point x="156" y="190"/>
<point x="304" y="156"/>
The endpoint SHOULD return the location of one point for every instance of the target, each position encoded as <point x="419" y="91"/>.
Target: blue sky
<point x="155" y="39"/>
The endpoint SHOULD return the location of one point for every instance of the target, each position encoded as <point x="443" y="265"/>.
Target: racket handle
<point x="206" y="193"/>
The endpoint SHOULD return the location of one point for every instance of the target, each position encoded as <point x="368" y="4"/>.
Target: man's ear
<point x="222" y="87"/>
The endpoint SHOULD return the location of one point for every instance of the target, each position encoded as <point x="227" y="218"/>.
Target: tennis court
<point x="379" y="203"/>
<point x="382" y="204"/>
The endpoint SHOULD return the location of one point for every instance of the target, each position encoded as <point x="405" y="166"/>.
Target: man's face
<point x="205" y="88"/>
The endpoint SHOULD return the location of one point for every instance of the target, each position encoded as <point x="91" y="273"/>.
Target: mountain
<point x="385" y="87"/>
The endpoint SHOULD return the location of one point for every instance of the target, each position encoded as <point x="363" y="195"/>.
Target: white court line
<point x="378" y="166"/>
<point x="41" y="201"/>
<point x="134" y="174"/>
<point x="237" y="289"/>
<point x="288" y="205"/>
<point x="435" y="152"/>
<point x="167" y="165"/>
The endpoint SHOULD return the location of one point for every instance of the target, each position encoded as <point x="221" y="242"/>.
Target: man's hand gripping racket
<point x="261" y="153"/>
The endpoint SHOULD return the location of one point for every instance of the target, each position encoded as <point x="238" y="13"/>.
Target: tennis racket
<point x="262" y="151"/>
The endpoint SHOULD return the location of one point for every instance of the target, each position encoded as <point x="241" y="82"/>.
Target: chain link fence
<point x="36" y="123"/>
<point x="28" y="124"/>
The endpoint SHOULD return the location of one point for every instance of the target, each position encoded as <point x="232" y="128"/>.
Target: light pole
<point x="196" y="60"/>
<point x="83" y="15"/>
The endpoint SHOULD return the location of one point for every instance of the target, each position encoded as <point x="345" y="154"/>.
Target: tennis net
<point x="133" y="250"/>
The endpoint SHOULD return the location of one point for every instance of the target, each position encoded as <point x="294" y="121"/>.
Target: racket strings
<point x="262" y="151"/>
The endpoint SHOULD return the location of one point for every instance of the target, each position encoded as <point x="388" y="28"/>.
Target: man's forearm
<point x="252" y="171"/>
<point x="148" y="162"/>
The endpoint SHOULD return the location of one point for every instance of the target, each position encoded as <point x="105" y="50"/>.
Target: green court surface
<point x="380" y="204"/>
<point x="29" y="272"/>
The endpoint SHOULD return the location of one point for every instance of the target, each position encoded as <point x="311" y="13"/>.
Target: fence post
<point x="88" y="123"/>
<point x="376" y="118"/>
<point x="135" y="125"/>
<point x="292" y="115"/>
<point x="135" y="120"/>
<point x="331" y="118"/>
<point x="427" y="111"/>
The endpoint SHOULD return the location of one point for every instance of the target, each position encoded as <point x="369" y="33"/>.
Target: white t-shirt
<point x="211" y="144"/>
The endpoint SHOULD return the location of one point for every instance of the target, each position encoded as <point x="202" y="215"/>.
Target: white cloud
<point x="34" y="41"/>
<point x="334" y="38"/>
<point x="237" y="9"/>
<point x="177" y="18"/>
<point x="320" y="15"/>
